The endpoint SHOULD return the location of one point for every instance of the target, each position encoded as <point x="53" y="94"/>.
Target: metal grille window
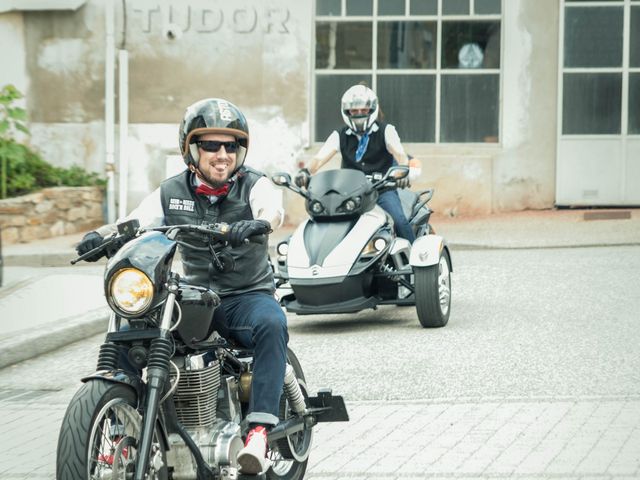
<point x="601" y="67"/>
<point x="435" y="65"/>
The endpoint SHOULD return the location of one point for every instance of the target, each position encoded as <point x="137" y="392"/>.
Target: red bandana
<point x="208" y="191"/>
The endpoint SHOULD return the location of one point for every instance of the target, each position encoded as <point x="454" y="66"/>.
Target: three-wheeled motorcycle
<point x="346" y="256"/>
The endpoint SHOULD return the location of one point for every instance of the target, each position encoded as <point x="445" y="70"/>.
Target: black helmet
<point x="212" y="115"/>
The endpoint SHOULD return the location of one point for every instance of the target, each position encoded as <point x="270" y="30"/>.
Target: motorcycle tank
<point x="197" y="305"/>
<point x="151" y="253"/>
<point x="343" y="193"/>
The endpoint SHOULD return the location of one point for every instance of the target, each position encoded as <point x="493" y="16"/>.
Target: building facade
<point x="509" y="104"/>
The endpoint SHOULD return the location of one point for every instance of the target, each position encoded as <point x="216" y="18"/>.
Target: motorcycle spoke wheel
<point x="99" y="436"/>
<point x="113" y="439"/>
<point x="290" y="455"/>
<point x="124" y="458"/>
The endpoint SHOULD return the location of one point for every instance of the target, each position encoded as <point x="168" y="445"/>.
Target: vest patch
<point x="182" y="204"/>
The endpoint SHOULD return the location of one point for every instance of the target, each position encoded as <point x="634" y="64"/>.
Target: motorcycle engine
<point x="207" y="404"/>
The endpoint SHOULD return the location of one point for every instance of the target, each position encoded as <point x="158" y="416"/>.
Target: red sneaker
<point x="252" y="458"/>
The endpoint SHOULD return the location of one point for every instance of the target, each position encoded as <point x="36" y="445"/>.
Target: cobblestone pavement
<point x="582" y="438"/>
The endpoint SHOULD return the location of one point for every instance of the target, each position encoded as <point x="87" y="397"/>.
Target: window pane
<point x="470" y="44"/>
<point x="328" y="7"/>
<point x="469" y="108"/>
<point x="359" y="7"/>
<point x="343" y="45"/>
<point x="409" y="103"/>
<point x="455" y="7"/>
<point x="407" y="44"/>
<point x="634" y="59"/>
<point x="390" y="7"/>
<point x="423" y="7"/>
<point x="329" y="91"/>
<point x="634" y="103"/>
<point x="486" y="7"/>
<point x="591" y="103"/>
<point x="593" y="37"/>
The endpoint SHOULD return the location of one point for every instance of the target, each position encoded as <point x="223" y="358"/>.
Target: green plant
<point x="23" y="170"/>
<point x="11" y="118"/>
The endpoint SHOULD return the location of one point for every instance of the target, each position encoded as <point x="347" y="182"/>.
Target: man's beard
<point x="213" y="183"/>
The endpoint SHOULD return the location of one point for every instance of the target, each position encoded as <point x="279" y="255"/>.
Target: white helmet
<point x="358" y="97"/>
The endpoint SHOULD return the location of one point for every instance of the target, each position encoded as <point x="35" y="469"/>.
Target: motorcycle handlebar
<point x="217" y="231"/>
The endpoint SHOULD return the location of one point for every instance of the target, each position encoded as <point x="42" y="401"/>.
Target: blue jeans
<point x="390" y="202"/>
<point x="256" y="320"/>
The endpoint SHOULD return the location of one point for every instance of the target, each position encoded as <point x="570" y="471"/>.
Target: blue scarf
<point x="362" y="146"/>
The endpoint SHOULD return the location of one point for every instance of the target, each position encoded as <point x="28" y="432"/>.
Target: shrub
<point x="21" y="169"/>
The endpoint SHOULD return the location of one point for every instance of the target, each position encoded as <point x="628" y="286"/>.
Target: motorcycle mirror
<point x="398" y="172"/>
<point x="128" y="227"/>
<point x="281" y="179"/>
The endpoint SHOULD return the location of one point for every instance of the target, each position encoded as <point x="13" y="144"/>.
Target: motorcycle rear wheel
<point x="99" y="436"/>
<point x="284" y="466"/>
<point x="433" y="292"/>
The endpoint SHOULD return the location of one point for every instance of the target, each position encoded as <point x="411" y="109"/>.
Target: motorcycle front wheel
<point x="433" y="292"/>
<point x="99" y="436"/>
<point x="289" y="458"/>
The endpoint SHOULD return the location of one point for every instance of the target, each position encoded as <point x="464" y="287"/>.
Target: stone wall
<point x="51" y="212"/>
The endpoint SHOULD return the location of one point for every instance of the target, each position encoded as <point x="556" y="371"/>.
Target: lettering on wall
<point x="243" y="20"/>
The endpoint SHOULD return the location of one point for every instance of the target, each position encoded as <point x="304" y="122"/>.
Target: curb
<point x="474" y="246"/>
<point x="39" y="260"/>
<point x="45" y="338"/>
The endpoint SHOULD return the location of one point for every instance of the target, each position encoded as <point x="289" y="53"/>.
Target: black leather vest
<point x="376" y="159"/>
<point x="181" y="205"/>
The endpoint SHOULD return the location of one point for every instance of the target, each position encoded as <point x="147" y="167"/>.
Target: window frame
<point x="624" y="69"/>
<point x="438" y="71"/>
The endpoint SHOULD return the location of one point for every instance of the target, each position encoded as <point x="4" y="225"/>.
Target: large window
<point x="435" y="65"/>
<point x="601" y="68"/>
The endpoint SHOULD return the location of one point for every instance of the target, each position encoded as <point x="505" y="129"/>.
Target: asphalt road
<point x="545" y="322"/>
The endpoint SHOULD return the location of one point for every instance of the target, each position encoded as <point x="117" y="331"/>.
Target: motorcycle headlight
<point x="316" y="207"/>
<point x="131" y="290"/>
<point x="375" y="246"/>
<point x="350" y="205"/>
<point x="283" y="248"/>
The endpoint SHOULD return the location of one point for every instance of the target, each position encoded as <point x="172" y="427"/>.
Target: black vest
<point x="181" y="205"/>
<point x="376" y="159"/>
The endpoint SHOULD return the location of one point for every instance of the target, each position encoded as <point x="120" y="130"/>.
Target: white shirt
<point x="265" y="200"/>
<point x="391" y="140"/>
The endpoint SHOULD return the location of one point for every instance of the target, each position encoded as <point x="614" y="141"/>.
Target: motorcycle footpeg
<point x="331" y="407"/>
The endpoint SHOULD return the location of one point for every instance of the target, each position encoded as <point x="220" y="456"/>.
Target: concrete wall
<point x="258" y="55"/>
<point x="524" y="171"/>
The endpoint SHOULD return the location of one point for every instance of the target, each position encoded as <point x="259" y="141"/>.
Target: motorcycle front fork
<point x="157" y="376"/>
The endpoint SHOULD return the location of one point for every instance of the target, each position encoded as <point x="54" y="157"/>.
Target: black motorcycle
<point x="176" y="411"/>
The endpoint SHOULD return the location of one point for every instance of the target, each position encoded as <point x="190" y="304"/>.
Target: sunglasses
<point x="214" y="146"/>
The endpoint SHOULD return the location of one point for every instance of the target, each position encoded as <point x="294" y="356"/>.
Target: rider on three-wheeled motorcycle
<point x="352" y="255"/>
<point x="365" y="144"/>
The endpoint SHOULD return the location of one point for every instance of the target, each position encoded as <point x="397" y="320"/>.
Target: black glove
<point x="90" y="241"/>
<point x="302" y="178"/>
<point x="403" y="182"/>
<point x="243" y="229"/>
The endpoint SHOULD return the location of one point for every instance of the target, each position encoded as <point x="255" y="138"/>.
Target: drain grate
<point x="610" y="215"/>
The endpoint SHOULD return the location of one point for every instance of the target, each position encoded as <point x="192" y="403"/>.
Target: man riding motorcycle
<point x="365" y="144"/>
<point x="217" y="187"/>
